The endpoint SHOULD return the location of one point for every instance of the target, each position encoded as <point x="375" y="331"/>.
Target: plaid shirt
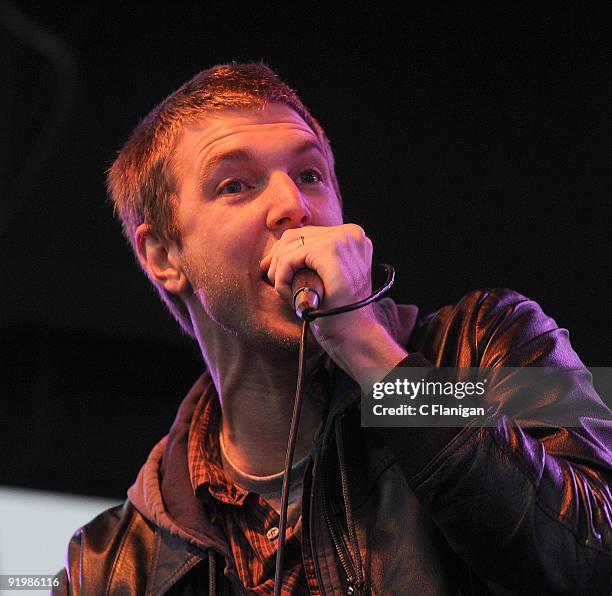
<point x="245" y="517"/>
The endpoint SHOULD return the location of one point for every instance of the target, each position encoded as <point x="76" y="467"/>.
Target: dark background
<point x="472" y="144"/>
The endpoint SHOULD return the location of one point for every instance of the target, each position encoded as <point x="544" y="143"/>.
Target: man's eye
<point x="232" y="187"/>
<point x="310" y="177"/>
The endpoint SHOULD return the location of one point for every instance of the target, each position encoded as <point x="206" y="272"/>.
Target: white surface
<point x="35" y="528"/>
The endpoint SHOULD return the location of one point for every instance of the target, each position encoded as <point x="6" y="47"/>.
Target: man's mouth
<point x="265" y="278"/>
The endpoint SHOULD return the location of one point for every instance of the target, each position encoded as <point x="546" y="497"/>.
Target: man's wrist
<point x="366" y="351"/>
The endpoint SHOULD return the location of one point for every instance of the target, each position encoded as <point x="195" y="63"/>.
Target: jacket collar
<point x="163" y="494"/>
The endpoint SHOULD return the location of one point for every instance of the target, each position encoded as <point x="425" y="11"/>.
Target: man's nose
<point x="288" y="207"/>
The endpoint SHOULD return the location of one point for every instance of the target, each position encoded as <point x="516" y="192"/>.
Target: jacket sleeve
<point x="101" y="558"/>
<point x="68" y="577"/>
<point x="528" y="508"/>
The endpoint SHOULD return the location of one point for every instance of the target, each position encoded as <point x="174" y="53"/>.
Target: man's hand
<point x="342" y="257"/>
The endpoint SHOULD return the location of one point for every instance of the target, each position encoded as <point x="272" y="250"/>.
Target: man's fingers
<point x="341" y="255"/>
<point x="284" y="269"/>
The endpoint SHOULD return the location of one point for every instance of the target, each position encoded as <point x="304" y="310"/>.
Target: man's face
<point x="244" y="178"/>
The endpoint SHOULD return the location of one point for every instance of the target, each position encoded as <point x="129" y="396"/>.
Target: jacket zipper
<point x="311" y="526"/>
<point x="338" y="541"/>
<point x="320" y="466"/>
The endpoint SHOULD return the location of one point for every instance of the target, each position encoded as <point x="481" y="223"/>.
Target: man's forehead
<point x="205" y="143"/>
<point x="218" y="126"/>
<point x="204" y="140"/>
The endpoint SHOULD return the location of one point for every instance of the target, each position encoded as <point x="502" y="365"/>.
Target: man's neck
<point x="256" y="389"/>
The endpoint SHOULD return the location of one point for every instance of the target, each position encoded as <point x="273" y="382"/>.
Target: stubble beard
<point x="225" y="302"/>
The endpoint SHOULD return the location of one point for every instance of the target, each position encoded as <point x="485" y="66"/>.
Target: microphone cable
<point x="307" y="317"/>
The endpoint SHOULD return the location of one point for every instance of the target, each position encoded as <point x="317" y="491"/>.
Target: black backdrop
<point x="472" y="144"/>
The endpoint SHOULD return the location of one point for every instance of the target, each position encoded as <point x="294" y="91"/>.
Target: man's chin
<point x="278" y="335"/>
<point x="269" y="326"/>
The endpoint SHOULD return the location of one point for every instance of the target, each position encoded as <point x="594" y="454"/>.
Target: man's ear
<point x="159" y="257"/>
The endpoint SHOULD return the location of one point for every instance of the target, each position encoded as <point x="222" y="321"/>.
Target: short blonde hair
<point x="142" y="181"/>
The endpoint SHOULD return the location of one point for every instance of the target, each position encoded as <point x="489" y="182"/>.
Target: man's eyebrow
<point x="307" y="146"/>
<point x="233" y="155"/>
<point x="244" y="156"/>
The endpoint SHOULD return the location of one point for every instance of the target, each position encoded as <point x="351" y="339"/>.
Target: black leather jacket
<point x="430" y="511"/>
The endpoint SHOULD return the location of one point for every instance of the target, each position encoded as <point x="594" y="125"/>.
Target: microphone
<point x="307" y="290"/>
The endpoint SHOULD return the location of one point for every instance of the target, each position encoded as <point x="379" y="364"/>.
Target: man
<point x="225" y="190"/>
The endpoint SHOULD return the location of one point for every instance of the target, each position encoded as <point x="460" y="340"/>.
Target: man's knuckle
<point x="356" y="231"/>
